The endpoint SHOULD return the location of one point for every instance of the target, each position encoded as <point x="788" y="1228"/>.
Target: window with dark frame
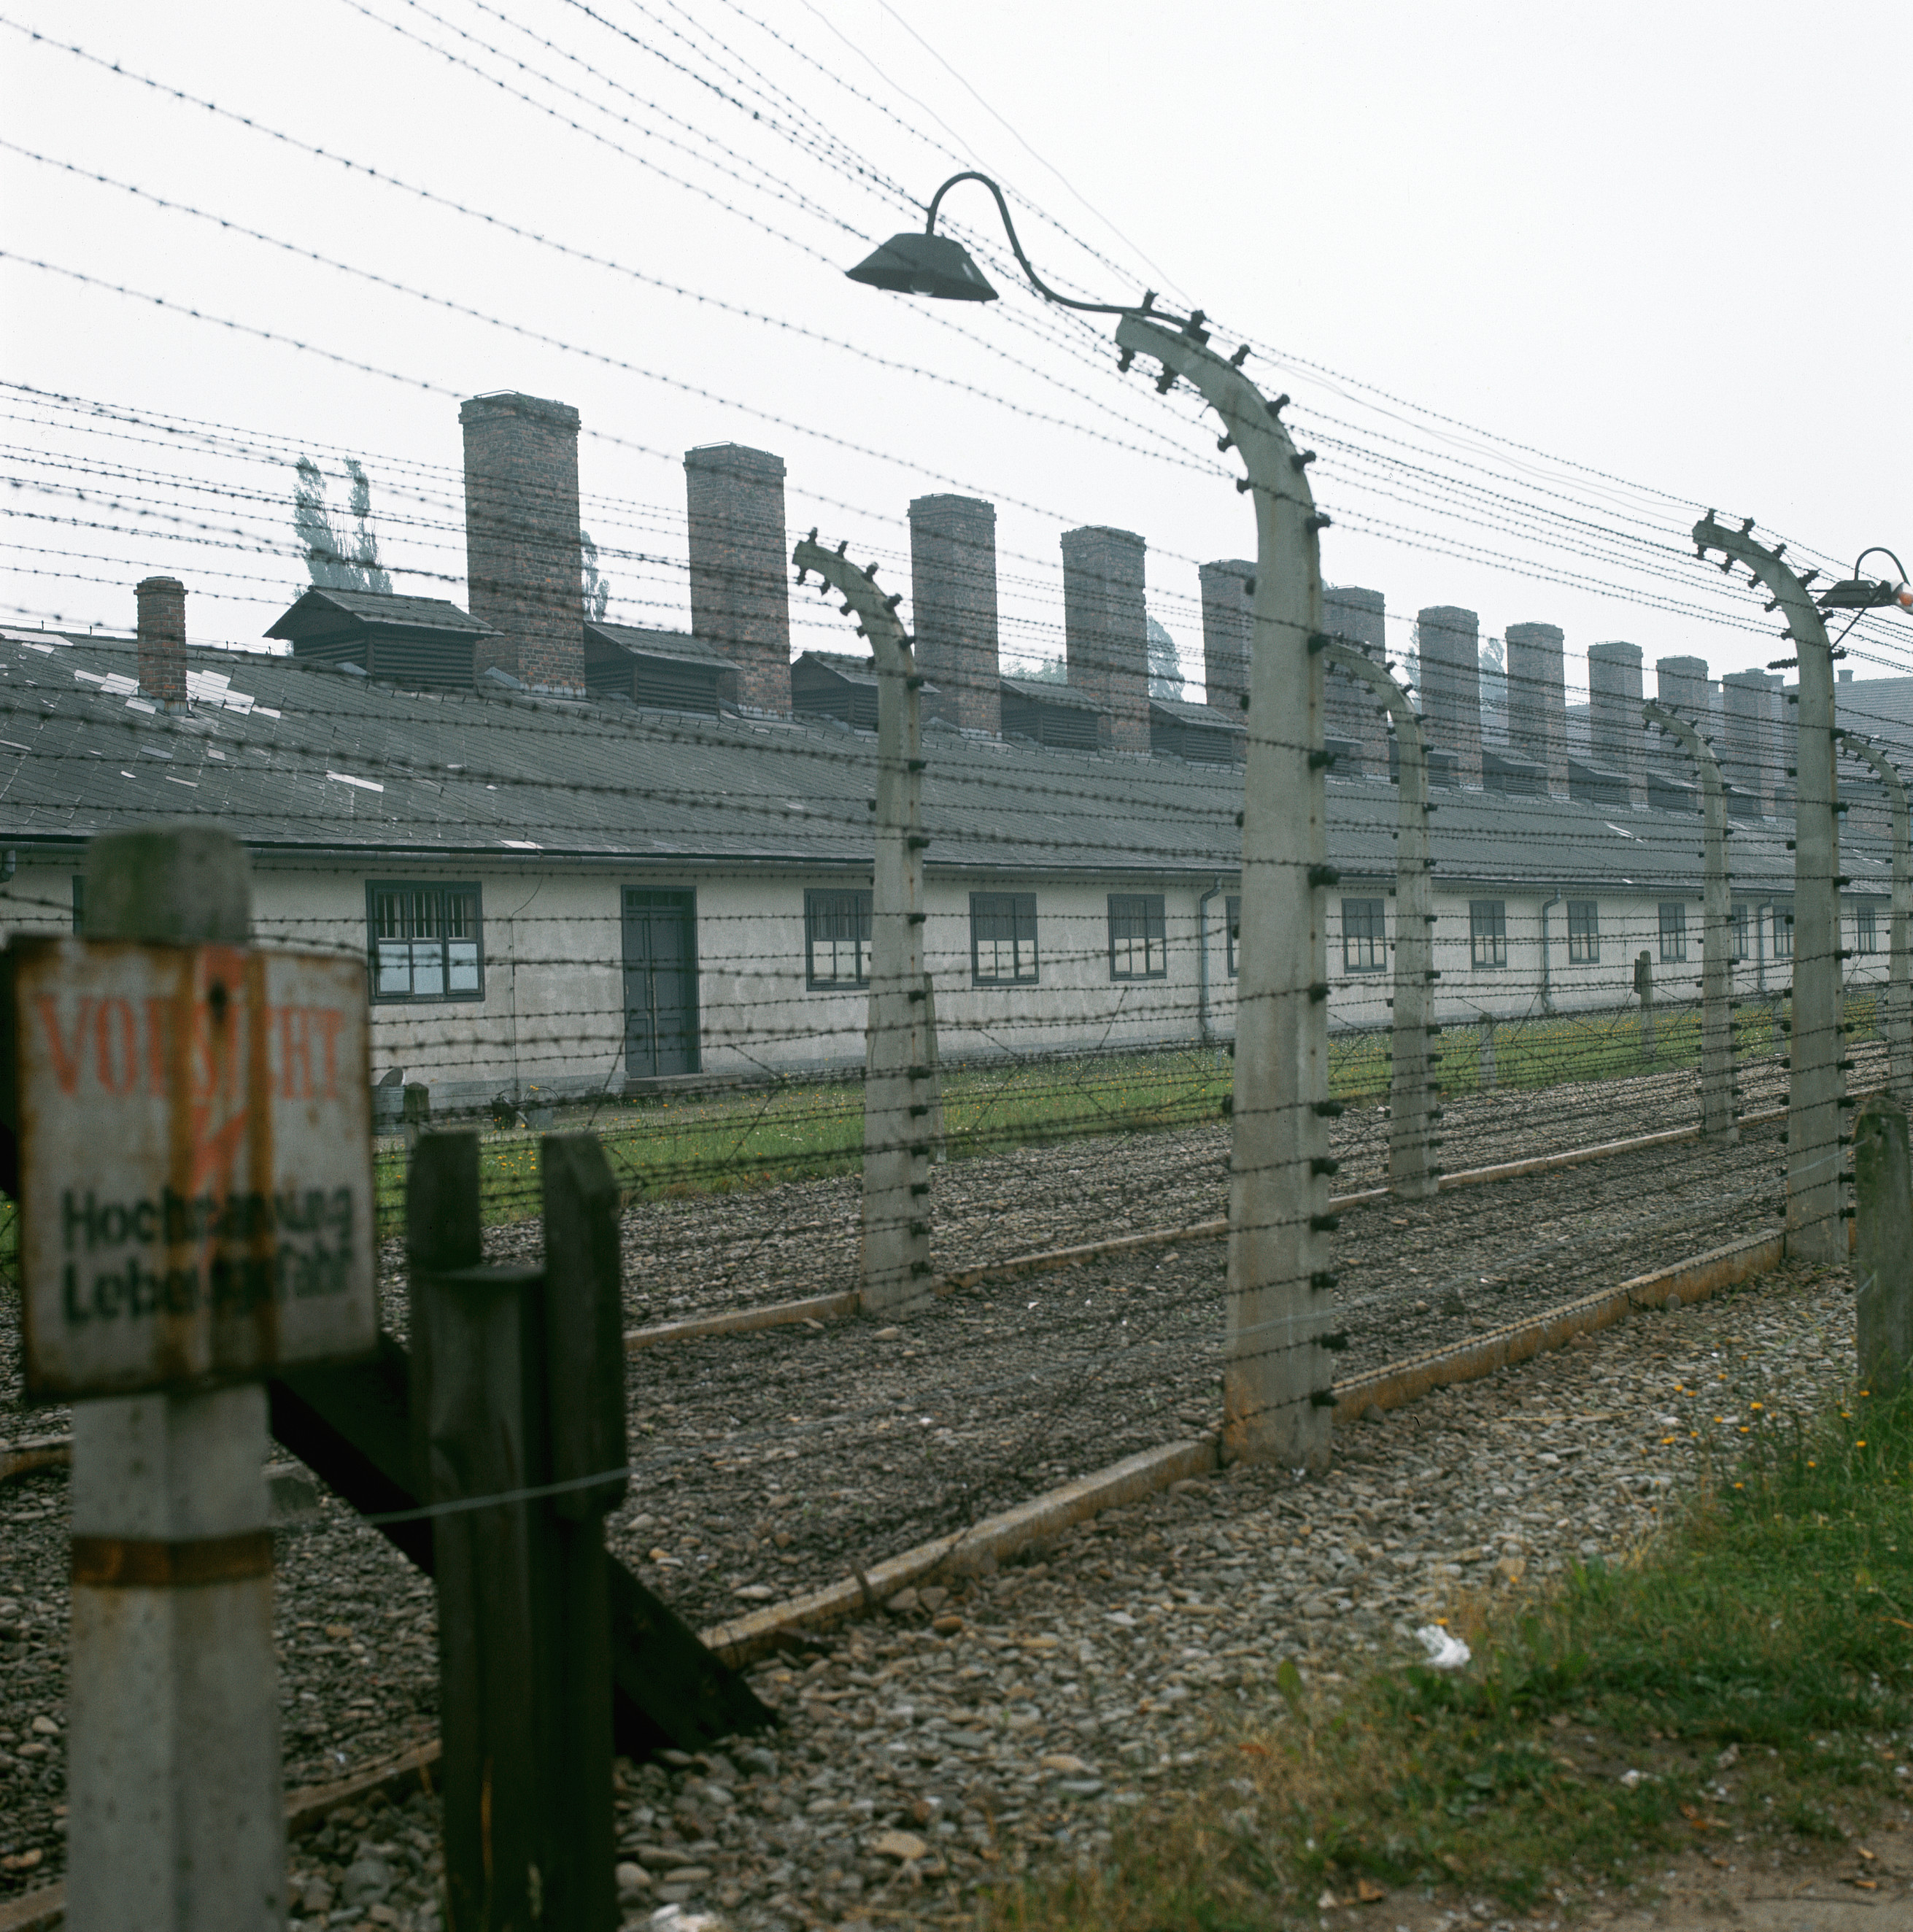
<point x="1487" y="932"/>
<point x="1783" y="935"/>
<point x="1673" y="932"/>
<point x="426" y="942"/>
<point x="1364" y="943"/>
<point x="1137" y="947"/>
<point x="1865" y="933"/>
<point x="1002" y="939"/>
<point x="1235" y="931"/>
<point x="1583" y="932"/>
<point x="837" y="938"/>
<point x="1738" y="934"/>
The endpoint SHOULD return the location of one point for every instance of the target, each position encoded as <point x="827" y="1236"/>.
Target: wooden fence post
<point x="585" y="1372"/>
<point x="1644" y="986"/>
<point x="477" y="1354"/>
<point x="1883" y="1261"/>
<point x="175" y="1819"/>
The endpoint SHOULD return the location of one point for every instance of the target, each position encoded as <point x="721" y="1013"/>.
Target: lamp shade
<point x="924" y="265"/>
<point x="1858" y="593"/>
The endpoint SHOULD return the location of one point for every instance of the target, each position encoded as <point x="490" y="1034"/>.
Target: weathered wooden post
<point x="518" y="1386"/>
<point x="1898" y="1017"/>
<point x="1276" y="1398"/>
<point x="1644" y="992"/>
<point x="196" y="1211"/>
<point x="1883" y="1259"/>
<point x="900" y="1082"/>
<point x="584" y="1357"/>
<point x="1411" y="1171"/>
<point x="1718" y="1120"/>
<point x="476" y="1350"/>
<point x="1817" y="1091"/>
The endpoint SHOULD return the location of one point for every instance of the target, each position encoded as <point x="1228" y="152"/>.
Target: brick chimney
<point x="1747" y="700"/>
<point x="1228" y="628"/>
<point x="1537" y="700"/>
<point x="1681" y="684"/>
<point x="740" y="567"/>
<point x="953" y="605"/>
<point x="1450" y="646"/>
<point x="162" y="601"/>
<point x="524" y="572"/>
<point x="1616" y="736"/>
<point x="1106" y="631"/>
<point x="1352" y="711"/>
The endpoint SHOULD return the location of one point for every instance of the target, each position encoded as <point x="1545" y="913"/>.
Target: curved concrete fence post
<point x="900" y="1062"/>
<point x="1411" y="1099"/>
<point x="1718" y="1112"/>
<point x="1898" y="1019"/>
<point x="1276" y="1398"/>
<point x="1816" y="1212"/>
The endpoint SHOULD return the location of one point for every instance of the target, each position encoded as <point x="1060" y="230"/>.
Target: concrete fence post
<point x="1816" y="1094"/>
<point x="1644" y="992"/>
<point x="1897" y="1019"/>
<point x="1719" y="1119"/>
<point x="1485" y="1055"/>
<point x="1883" y="1259"/>
<point x="1276" y="1401"/>
<point x="175" y="1819"/>
<point x="901" y="1083"/>
<point x="1411" y="1172"/>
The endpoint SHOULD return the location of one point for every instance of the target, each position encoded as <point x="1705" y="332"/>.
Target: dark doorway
<point x="661" y="983"/>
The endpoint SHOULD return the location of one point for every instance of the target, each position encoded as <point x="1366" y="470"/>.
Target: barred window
<point x="1583" y="932"/>
<point x="1487" y="932"/>
<point x="1866" y="935"/>
<point x="426" y="942"/>
<point x="1002" y="939"/>
<point x="1738" y="932"/>
<point x="1673" y="932"/>
<point x="1235" y="931"/>
<point x="1364" y="946"/>
<point x="837" y="938"/>
<point x="1137" y="948"/>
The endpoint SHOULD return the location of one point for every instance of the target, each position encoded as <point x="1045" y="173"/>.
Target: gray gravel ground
<point x="957" y="1741"/>
<point x="769" y="1463"/>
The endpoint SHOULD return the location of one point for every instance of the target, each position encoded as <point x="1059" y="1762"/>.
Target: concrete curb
<point x="1693" y="1279"/>
<point x="43" y="1452"/>
<point x="739" y="1321"/>
<point x="746" y="1638"/>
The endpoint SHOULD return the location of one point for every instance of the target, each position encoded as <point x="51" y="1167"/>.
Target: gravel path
<point x="769" y="1463"/>
<point x="956" y="1740"/>
<point x="801" y="1238"/>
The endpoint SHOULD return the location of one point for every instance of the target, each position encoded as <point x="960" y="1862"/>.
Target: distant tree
<point x="1049" y="670"/>
<point x="597" y="589"/>
<point x="365" y="546"/>
<point x="332" y="566"/>
<point x="1165" y="666"/>
<point x="1493" y="675"/>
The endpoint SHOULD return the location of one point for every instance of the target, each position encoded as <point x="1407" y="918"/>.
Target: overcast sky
<point x="1545" y="283"/>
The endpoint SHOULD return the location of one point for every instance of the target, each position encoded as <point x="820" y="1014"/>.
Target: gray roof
<point x="1049" y="691"/>
<point x="679" y="647"/>
<point x="1207" y="717"/>
<point x="291" y="757"/>
<point x="377" y="610"/>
